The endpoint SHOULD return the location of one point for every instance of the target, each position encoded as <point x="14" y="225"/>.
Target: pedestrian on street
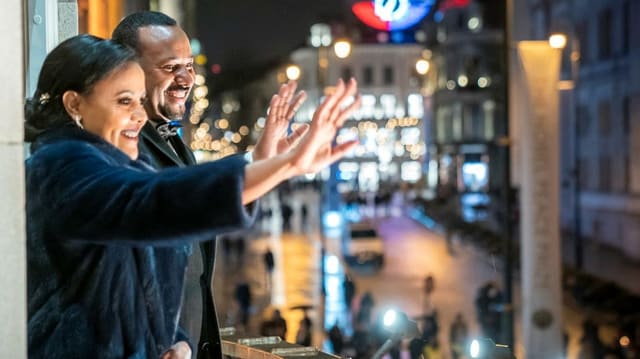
<point x="591" y="346"/>
<point x="275" y="325"/>
<point x="303" y="216"/>
<point x="366" y="307"/>
<point x="287" y="212"/>
<point x="269" y="265"/>
<point x="431" y="327"/>
<point x="336" y="338"/>
<point x="92" y="204"/>
<point x="303" y="336"/>
<point x="489" y="296"/>
<point x="416" y="348"/>
<point x="429" y="286"/>
<point x="243" y="298"/>
<point x="349" y="288"/>
<point x="279" y="324"/>
<point x="458" y="337"/>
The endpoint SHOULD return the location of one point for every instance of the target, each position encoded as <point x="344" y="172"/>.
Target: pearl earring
<point x="77" y="119"/>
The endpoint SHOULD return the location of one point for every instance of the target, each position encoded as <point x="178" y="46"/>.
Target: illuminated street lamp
<point x="485" y="348"/>
<point x="399" y="326"/>
<point x="558" y="41"/>
<point x="422" y="66"/>
<point x="293" y="72"/>
<point x="427" y="68"/>
<point x="342" y="49"/>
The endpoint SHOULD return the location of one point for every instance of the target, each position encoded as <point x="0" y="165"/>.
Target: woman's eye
<point x="124" y="101"/>
<point x="144" y="100"/>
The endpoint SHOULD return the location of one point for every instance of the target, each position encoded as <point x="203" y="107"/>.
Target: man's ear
<point x="71" y="103"/>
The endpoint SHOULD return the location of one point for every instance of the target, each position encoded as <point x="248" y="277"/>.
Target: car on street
<point x="363" y="247"/>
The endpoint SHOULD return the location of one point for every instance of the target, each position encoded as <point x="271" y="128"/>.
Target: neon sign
<point x="391" y="15"/>
<point x="452" y="4"/>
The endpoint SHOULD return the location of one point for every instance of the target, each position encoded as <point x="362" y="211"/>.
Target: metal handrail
<point x="235" y="346"/>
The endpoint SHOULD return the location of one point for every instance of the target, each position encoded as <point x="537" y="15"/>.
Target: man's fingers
<point x="297" y="101"/>
<point x="272" y="105"/>
<point x="291" y="87"/>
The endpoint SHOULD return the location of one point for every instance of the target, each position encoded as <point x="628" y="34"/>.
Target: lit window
<point x="367" y="106"/>
<point x="410" y="136"/>
<point x="410" y="171"/>
<point x="415" y="105"/>
<point x="388" y="103"/>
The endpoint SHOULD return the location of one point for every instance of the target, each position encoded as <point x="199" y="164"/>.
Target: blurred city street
<point x="412" y="252"/>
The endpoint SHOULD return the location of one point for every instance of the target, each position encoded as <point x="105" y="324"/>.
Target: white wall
<point x="12" y="218"/>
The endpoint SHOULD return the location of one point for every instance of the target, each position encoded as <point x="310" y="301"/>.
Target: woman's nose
<point x="139" y="115"/>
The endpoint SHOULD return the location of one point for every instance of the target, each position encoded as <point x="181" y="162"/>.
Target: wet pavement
<point x="413" y="249"/>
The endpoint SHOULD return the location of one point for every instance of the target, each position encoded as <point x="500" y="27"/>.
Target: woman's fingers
<point x="329" y="102"/>
<point x="180" y="350"/>
<point x="342" y="98"/>
<point x="347" y="111"/>
<point x="298" y="133"/>
<point x="341" y="149"/>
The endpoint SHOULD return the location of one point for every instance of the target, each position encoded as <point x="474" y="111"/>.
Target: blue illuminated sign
<point x="391" y="15"/>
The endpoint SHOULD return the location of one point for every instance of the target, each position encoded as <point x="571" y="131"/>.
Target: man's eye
<point x="169" y="68"/>
<point x="189" y="65"/>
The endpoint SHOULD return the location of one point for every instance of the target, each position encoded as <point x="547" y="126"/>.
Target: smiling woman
<point x="113" y="108"/>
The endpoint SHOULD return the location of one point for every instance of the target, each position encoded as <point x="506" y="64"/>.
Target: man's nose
<point x="184" y="76"/>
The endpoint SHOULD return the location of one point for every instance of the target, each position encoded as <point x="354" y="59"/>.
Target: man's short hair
<point x="126" y="32"/>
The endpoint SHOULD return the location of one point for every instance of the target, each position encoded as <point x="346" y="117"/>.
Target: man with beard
<point x="165" y="56"/>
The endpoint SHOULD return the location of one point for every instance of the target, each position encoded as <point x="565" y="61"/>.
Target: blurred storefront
<point x="469" y="103"/>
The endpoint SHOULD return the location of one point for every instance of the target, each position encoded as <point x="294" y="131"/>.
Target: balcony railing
<point x="236" y="346"/>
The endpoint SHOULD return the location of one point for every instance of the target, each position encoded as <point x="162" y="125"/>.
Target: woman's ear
<point x="71" y="103"/>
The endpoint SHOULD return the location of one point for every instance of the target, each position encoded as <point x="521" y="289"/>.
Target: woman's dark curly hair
<point x="76" y="64"/>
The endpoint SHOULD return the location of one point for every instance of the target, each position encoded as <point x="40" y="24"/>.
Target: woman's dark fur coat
<point x="108" y="240"/>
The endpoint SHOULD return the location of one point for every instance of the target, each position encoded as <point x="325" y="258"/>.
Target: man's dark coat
<point x="108" y="240"/>
<point x="198" y="315"/>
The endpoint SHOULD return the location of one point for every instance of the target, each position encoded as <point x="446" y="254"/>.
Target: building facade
<point x="390" y="124"/>
<point x="599" y="117"/>
<point x="469" y="102"/>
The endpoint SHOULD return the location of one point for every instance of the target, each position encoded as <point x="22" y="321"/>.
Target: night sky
<point x="247" y="36"/>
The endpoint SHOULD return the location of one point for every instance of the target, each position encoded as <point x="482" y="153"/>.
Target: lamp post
<point x="321" y="39"/>
<point x="559" y="40"/>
